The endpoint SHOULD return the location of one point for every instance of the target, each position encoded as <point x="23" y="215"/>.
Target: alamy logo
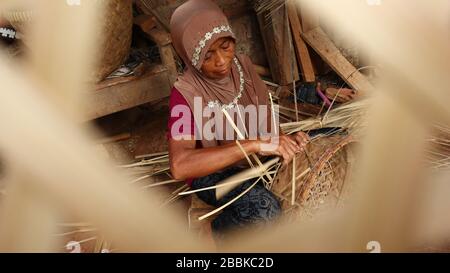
<point x="249" y="122"/>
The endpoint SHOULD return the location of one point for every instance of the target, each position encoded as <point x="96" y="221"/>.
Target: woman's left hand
<point x="301" y="138"/>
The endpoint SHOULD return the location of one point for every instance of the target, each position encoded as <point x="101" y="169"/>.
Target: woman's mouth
<point x="224" y="71"/>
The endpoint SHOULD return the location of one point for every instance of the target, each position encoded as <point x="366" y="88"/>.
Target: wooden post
<point x="278" y="45"/>
<point x="164" y="42"/>
<point x="302" y="51"/>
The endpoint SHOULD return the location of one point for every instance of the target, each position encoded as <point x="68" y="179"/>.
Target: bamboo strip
<point x="161" y="183"/>
<point x="223" y="185"/>
<point x="228" y="203"/>
<point x="245" y="174"/>
<point x="293" y="181"/>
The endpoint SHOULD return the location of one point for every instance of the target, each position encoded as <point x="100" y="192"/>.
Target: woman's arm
<point x="188" y="162"/>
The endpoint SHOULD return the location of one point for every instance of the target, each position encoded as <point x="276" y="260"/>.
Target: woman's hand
<point x="284" y="146"/>
<point x="301" y="138"/>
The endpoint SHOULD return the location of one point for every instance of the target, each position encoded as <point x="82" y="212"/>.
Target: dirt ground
<point x="147" y="125"/>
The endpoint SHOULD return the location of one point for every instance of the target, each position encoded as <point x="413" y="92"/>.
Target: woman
<point x="216" y="80"/>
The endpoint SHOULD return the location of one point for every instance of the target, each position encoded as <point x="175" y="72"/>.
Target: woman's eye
<point x="226" y="45"/>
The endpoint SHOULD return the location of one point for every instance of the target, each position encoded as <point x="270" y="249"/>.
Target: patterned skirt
<point x="258" y="206"/>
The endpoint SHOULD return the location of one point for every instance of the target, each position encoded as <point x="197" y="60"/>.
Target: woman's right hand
<point x="283" y="146"/>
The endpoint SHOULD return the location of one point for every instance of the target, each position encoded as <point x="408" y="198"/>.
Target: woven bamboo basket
<point x="116" y="30"/>
<point x="321" y="173"/>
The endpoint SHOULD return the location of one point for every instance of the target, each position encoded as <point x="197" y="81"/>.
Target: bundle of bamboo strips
<point x="153" y="170"/>
<point x="350" y="116"/>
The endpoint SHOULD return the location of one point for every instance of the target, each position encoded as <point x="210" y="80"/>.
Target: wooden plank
<point x="114" y="81"/>
<point x="301" y="48"/>
<point x="320" y="42"/>
<point x="309" y="21"/>
<point x="138" y="71"/>
<point x="164" y="41"/>
<point x="279" y="48"/>
<point x="168" y="60"/>
<point x="152" y="86"/>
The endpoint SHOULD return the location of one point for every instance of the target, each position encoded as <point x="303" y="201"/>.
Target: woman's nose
<point x="220" y="59"/>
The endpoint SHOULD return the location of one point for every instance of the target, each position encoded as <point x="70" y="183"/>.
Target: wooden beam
<point x="301" y="48"/>
<point x="320" y="42"/>
<point x="168" y="60"/>
<point x="152" y="86"/>
<point x="164" y="41"/>
<point x="279" y="48"/>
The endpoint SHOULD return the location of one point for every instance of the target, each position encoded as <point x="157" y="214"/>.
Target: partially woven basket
<point x="116" y="28"/>
<point x="329" y="161"/>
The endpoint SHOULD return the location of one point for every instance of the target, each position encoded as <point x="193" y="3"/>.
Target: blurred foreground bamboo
<point x="51" y="170"/>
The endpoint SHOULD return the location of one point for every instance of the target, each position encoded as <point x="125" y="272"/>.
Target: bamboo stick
<point x="228" y="203"/>
<point x="161" y="183"/>
<point x="293" y="181"/>
<point x="220" y="192"/>
<point x="228" y="183"/>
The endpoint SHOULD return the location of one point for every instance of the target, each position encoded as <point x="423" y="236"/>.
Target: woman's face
<point x="219" y="58"/>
